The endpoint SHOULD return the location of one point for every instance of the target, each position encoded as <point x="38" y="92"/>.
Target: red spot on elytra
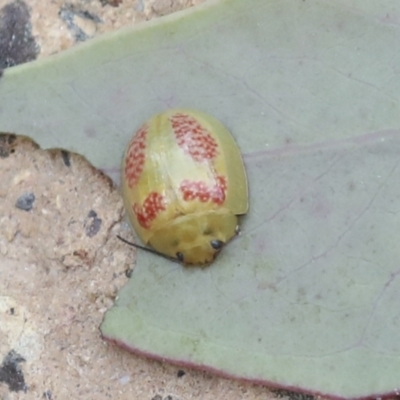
<point x="135" y="156"/>
<point x="193" y="138"/>
<point x="148" y="211"/>
<point x="198" y="190"/>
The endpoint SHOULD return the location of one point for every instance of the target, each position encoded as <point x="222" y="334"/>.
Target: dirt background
<point x="31" y="29"/>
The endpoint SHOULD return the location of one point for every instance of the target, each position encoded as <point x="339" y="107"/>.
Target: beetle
<point x="184" y="185"/>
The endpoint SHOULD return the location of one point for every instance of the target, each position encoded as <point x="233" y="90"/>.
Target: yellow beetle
<point x="183" y="184"/>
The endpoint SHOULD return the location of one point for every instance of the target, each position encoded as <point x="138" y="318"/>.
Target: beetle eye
<point x="179" y="256"/>
<point x="217" y="244"/>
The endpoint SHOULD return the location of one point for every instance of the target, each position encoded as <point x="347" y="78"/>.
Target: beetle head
<point x="195" y="239"/>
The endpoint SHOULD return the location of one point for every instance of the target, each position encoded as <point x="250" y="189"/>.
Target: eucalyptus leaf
<point x="306" y="296"/>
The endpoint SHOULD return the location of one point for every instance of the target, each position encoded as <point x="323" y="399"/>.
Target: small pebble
<point x="25" y="201"/>
<point x="128" y="272"/>
<point x="65" y="157"/>
<point x="92" y="224"/>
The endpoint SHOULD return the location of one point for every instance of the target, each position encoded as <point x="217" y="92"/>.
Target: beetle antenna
<point x="148" y="249"/>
